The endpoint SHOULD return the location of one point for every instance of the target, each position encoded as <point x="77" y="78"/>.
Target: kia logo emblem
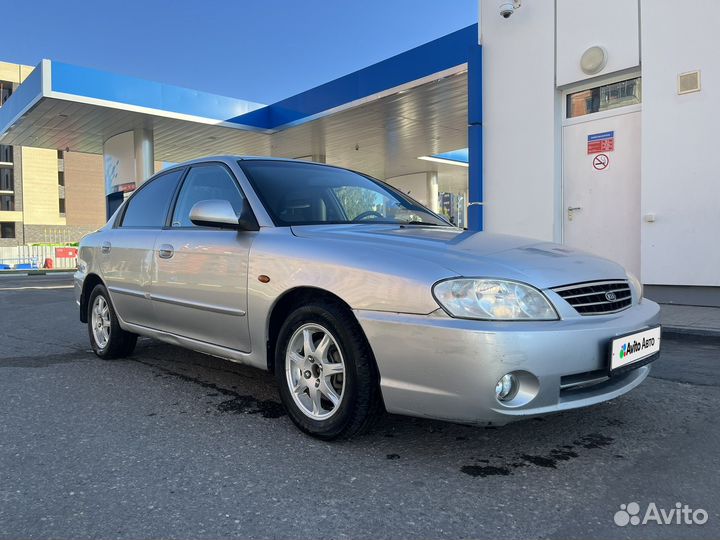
<point x="610" y="296"/>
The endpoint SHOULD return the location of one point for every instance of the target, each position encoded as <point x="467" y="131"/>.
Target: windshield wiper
<point x="415" y="222"/>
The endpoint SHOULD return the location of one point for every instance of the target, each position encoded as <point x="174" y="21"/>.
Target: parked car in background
<point x="359" y="299"/>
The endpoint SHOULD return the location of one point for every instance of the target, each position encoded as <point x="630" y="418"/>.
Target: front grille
<point x="596" y="297"/>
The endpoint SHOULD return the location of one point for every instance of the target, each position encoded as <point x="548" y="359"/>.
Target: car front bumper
<point x="438" y="367"/>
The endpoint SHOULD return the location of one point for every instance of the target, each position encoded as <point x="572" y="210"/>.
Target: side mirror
<point x="220" y="213"/>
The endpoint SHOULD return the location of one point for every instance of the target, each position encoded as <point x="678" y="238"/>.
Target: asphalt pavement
<point x="175" y="444"/>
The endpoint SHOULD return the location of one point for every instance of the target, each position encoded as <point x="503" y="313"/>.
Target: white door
<point x="601" y="186"/>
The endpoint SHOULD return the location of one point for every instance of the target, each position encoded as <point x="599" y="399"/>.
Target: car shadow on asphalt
<point x="478" y="451"/>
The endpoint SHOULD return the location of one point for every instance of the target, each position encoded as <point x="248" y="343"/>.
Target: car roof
<point x="230" y="159"/>
<point x="234" y="158"/>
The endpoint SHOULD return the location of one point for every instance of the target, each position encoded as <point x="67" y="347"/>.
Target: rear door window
<point x="148" y="208"/>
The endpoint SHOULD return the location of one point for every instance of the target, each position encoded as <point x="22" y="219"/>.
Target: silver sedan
<point x="359" y="299"/>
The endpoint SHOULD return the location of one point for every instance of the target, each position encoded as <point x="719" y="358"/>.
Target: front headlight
<point x="636" y="286"/>
<point x="495" y="299"/>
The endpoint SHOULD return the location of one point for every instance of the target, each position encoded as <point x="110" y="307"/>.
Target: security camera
<point x="508" y="8"/>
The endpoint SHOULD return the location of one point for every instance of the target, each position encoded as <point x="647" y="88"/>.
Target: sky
<point x="259" y="50"/>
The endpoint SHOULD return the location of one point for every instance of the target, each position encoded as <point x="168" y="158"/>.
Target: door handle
<point x="105" y="247"/>
<point x="166" y="251"/>
<point x="572" y="209"/>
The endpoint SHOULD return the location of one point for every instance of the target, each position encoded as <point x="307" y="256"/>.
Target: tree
<point x="357" y="200"/>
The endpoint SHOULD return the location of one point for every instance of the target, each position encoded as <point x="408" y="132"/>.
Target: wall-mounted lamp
<point x="594" y="60"/>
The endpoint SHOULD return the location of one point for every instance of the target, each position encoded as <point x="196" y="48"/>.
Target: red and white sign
<point x="600" y="162"/>
<point x="66" y="252"/>
<point x="601" y="142"/>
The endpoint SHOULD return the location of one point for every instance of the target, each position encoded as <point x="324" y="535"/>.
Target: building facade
<point x="46" y="195"/>
<point x="599" y="132"/>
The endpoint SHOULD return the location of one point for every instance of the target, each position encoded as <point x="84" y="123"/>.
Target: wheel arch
<point x="288" y="301"/>
<point x="89" y="283"/>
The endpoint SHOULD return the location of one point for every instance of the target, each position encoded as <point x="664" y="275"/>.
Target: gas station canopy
<point x="379" y="120"/>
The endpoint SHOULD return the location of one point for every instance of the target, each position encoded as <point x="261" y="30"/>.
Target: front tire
<point x="326" y="372"/>
<point x="107" y="338"/>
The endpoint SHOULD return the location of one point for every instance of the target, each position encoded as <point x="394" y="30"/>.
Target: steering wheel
<point x="367" y="214"/>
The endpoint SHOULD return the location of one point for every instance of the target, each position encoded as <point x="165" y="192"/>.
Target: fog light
<point x="506" y="387"/>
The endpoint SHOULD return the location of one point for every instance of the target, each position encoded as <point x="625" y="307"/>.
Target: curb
<point x="36" y="272"/>
<point x="685" y="331"/>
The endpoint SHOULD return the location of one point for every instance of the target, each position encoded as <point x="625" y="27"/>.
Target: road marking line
<point x="37" y="287"/>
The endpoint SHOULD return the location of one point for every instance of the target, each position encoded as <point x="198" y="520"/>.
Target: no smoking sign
<point x="600" y="162"/>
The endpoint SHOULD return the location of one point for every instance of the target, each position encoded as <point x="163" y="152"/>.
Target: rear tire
<point x="107" y="338"/>
<point x="326" y="372"/>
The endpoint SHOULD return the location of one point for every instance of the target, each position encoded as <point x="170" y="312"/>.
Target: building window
<point x="61" y="188"/>
<point x="7" y="230"/>
<point x="604" y="98"/>
<point x="7" y="179"/>
<point x="6" y="153"/>
<point x="7" y="203"/>
<point x="5" y="91"/>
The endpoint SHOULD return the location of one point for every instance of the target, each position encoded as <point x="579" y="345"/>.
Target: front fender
<point x="365" y="279"/>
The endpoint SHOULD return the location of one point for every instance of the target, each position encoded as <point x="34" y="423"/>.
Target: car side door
<point x="126" y="253"/>
<point x="199" y="289"/>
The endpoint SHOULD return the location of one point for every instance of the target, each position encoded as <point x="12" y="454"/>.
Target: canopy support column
<point x="129" y="160"/>
<point x="475" y="140"/>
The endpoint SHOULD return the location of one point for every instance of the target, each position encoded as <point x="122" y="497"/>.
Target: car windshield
<point x="296" y="193"/>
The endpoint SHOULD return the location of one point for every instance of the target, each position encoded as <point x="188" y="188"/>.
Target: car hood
<point x="473" y="254"/>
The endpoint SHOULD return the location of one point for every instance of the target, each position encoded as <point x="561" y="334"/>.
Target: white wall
<point x="681" y="175"/>
<point x="581" y="24"/>
<point x="521" y="165"/>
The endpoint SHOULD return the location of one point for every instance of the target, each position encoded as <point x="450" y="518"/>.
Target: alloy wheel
<point x="100" y="321"/>
<point x="315" y="371"/>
